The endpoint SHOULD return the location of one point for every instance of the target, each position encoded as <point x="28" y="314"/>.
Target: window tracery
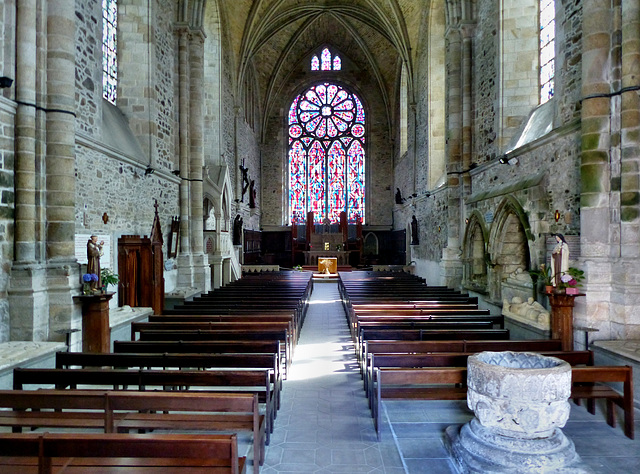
<point x="326" y="154"/>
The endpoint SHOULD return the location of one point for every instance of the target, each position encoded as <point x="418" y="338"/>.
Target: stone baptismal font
<point x="520" y="402"/>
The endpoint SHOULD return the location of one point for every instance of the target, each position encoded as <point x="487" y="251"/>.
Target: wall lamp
<point x="5" y="82"/>
<point x="511" y="161"/>
<point x="149" y="171"/>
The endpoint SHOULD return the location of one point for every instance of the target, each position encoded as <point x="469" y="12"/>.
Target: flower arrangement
<point x="108" y="277"/>
<point x="87" y="279"/>
<point x="570" y="280"/>
<point x="543" y="275"/>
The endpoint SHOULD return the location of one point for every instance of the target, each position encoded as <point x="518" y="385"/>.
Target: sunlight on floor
<point x="317" y="360"/>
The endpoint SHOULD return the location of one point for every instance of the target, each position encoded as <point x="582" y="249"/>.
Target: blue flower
<point x="87" y="277"/>
<point x="94" y="277"/>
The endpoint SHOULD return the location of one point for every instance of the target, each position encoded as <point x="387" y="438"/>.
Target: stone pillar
<point x="28" y="299"/>
<point x="450" y="266"/>
<point x="630" y="130"/>
<point x="201" y="270"/>
<point x="25" y="133"/>
<point x="185" y="274"/>
<point x="62" y="268"/>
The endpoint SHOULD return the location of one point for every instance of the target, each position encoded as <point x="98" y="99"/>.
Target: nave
<point x="324" y="424"/>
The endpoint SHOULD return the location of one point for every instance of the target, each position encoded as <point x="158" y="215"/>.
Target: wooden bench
<point x="46" y="453"/>
<point x="427" y="335"/>
<point x="449" y="383"/>
<point x="119" y="411"/>
<point x="450" y="359"/>
<point x="164" y="360"/>
<point x="408" y="347"/>
<point x="225" y="335"/>
<point x="142" y="380"/>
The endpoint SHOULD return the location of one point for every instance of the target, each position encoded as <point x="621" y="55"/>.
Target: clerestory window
<point x="109" y="49"/>
<point x="326" y="62"/>
<point x="547" y="48"/>
<point x="326" y="154"/>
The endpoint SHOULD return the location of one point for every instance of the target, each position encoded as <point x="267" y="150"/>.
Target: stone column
<point x="600" y="231"/>
<point x="62" y="267"/>
<point x="185" y="274"/>
<point x="25" y="132"/>
<point x="450" y="267"/>
<point x="630" y="130"/>
<point x="28" y="300"/>
<point x="201" y="271"/>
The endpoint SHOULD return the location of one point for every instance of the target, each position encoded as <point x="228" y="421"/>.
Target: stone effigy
<point x="529" y="312"/>
<point x="520" y="402"/>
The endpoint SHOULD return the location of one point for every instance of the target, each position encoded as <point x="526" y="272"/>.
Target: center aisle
<point x="324" y="424"/>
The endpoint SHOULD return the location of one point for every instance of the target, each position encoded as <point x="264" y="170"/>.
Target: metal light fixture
<point x="5" y="82"/>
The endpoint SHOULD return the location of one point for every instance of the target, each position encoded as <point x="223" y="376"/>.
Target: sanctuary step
<point x="26" y="354"/>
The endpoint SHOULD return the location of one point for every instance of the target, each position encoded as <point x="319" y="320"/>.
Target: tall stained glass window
<point x="326" y="155"/>
<point x="547" y="48"/>
<point x="326" y="62"/>
<point x="109" y="42"/>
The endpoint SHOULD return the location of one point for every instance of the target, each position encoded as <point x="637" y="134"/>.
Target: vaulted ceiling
<point x="271" y="38"/>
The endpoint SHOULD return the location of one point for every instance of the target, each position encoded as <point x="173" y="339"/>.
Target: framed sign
<point x="174" y="238"/>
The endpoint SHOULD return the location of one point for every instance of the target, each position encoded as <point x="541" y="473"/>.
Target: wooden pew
<point x="258" y="381"/>
<point x="119" y="411"/>
<point x="450" y="359"/>
<point x="427" y="335"/>
<point x="225" y="335"/>
<point x="532" y="345"/>
<point x="449" y="383"/>
<point x="48" y="453"/>
<point x="163" y="360"/>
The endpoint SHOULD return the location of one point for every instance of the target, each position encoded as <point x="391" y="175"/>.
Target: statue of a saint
<point x="559" y="259"/>
<point x="94" y="252"/>
<point x="252" y="194"/>
<point x="237" y="230"/>
<point x="414" y="231"/>
<point x="399" y="199"/>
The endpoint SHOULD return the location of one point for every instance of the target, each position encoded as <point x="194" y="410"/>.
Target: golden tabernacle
<point x="328" y="265"/>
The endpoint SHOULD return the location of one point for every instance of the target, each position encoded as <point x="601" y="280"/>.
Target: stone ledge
<point x="125" y="315"/>
<point x="16" y="353"/>
<point x="625" y="348"/>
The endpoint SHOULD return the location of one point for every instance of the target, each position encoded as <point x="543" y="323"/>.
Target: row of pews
<point x="412" y="341"/>
<point x="213" y="364"/>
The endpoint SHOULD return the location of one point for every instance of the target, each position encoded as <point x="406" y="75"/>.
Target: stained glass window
<point x="327" y="61"/>
<point x="547" y="48"/>
<point x="109" y="43"/>
<point x="326" y="155"/>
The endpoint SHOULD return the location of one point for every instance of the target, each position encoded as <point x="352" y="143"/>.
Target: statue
<point x="252" y="194"/>
<point x="559" y="259"/>
<point x="399" y="199"/>
<point x="245" y="180"/>
<point x="94" y="252"/>
<point x="237" y="230"/>
<point x="531" y="310"/>
<point x="414" y="231"/>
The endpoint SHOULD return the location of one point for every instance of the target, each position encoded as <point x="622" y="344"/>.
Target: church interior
<point x="157" y="154"/>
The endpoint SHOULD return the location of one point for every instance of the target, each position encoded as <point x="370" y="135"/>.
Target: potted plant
<point x="543" y="275"/>
<point x="108" y="278"/>
<point x="87" y="280"/>
<point x="570" y="281"/>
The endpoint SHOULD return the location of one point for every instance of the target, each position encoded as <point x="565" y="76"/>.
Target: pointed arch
<point x="509" y="247"/>
<point x="474" y="253"/>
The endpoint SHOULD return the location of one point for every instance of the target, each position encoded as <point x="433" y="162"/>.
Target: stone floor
<point x="324" y="425"/>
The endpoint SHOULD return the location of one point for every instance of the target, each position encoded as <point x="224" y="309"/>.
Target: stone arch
<point x="474" y="255"/>
<point x="370" y="246"/>
<point x="508" y="245"/>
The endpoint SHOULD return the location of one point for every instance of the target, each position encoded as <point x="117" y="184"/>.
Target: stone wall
<point x="88" y="74"/>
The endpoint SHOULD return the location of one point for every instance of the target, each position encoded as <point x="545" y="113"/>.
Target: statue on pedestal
<point x="94" y="252"/>
<point x="559" y="259"/>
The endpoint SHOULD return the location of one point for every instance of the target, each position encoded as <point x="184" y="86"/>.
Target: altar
<point x="311" y="257"/>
